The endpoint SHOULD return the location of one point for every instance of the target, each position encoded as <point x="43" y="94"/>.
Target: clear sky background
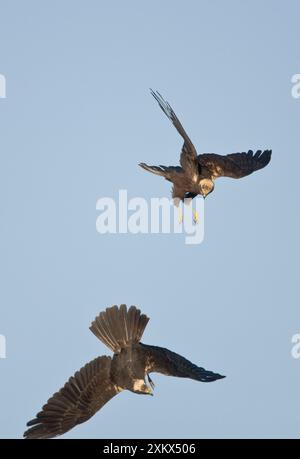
<point x="77" y="119"/>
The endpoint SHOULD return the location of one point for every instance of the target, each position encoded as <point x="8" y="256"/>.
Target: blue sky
<point x="77" y="120"/>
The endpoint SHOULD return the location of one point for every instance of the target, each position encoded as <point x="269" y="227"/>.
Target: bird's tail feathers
<point x="157" y="170"/>
<point x="119" y="327"/>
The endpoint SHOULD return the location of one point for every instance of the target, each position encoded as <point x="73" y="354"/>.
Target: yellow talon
<point x="195" y="216"/>
<point x="180" y="215"/>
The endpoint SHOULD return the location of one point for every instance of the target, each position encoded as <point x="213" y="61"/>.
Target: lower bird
<point x="197" y="173"/>
<point x="90" y="388"/>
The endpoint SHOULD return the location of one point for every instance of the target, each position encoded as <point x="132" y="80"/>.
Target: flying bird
<point x="90" y="388"/>
<point x="197" y="173"/>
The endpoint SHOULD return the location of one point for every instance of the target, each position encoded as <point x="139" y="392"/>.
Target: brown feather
<point x="80" y="398"/>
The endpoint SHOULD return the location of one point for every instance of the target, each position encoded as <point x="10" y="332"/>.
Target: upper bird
<point x="197" y="173"/>
<point x="101" y="379"/>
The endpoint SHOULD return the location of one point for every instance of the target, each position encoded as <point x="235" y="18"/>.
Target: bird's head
<point x="206" y="187"/>
<point x="140" y="387"/>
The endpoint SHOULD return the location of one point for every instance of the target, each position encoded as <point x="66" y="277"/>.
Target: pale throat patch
<point x="139" y="384"/>
<point x="206" y="181"/>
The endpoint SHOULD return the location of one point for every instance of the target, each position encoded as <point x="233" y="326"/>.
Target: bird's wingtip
<point x="218" y="376"/>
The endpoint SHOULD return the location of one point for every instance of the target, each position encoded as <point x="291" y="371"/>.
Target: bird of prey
<point x="86" y="392"/>
<point x="197" y="173"/>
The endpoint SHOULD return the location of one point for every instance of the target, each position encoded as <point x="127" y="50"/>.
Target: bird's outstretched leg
<point x="180" y="215"/>
<point x="177" y="205"/>
<point x="152" y="385"/>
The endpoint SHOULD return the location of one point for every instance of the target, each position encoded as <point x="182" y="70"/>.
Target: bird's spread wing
<point x="188" y="157"/>
<point x="235" y="165"/>
<point x="80" y="398"/>
<point x="169" y="363"/>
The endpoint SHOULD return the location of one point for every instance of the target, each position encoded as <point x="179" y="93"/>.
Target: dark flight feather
<point x="162" y="360"/>
<point x="188" y="157"/>
<point x="163" y="171"/>
<point x="235" y="165"/>
<point x="80" y="398"/>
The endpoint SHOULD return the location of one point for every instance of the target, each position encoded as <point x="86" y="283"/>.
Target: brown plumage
<point x="197" y="173"/>
<point x="97" y="382"/>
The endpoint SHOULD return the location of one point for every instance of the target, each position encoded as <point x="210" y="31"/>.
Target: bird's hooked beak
<point x="149" y="391"/>
<point x="202" y="193"/>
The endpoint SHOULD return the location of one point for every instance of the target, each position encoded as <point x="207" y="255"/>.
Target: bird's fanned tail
<point x="119" y="327"/>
